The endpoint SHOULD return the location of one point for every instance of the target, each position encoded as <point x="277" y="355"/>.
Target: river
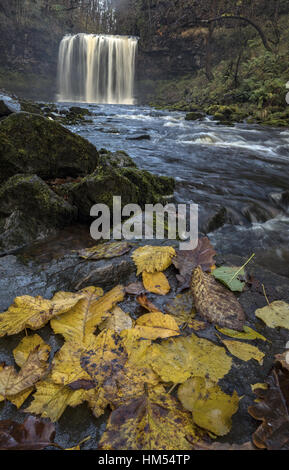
<point x="243" y="168"/>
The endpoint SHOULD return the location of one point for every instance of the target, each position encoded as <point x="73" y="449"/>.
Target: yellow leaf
<point x="257" y="386"/>
<point x="66" y="365"/>
<point x="176" y="359"/>
<point x="33" y="313"/>
<point x="78" y="325"/>
<point x="117" y="321"/>
<point x="26" y="346"/>
<point x="274" y="315"/>
<point x="212" y="409"/>
<point x="248" y="333"/>
<point x="153" y="421"/>
<point x="156" y="325"/>
<point x="244" y="351"/>
<point x="105" y="250"/>
<point x="153" y="258"/>
<point x="33" y="369"/>
<point x="156" y="283"/>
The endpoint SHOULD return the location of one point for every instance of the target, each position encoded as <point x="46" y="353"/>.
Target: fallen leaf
<point x="176" y="359"/>
<point x="153" y="258"/>
<point x="79" y="324"/>
<point x="136" y="288"/>
<point x="202" y="445"/>
<point x="227" y="275"/>
<point x="181" y="308"/>
<point x="273" y="410"/>
<point x="105" y="250"/>
<point x="215" y="303"/>
<point x="117" y="321"/>
<point x="156" y="283"/>
<point x="156" y="325"/>
<point x="145" y="303"/>
<point x="33" y="434"/>
<point x="26" y="346"/>
<point x="33" y="313"/>
<point x="212" y="409"/>
<point x="274" y="315"/>
<point x="33" y="369"/>
<point x="154" y="421"/>
<point x="187" y="261"/>
<point x="244" y="351"/>
<point x="248" y="333"/>
<point x="258" y="386"/>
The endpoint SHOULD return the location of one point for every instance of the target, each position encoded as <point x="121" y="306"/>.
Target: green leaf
<point x="227" y="275"/>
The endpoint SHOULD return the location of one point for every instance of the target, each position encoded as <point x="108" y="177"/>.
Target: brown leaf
<point x="216" y="303"/>
<point x="33" y="434"/>
<point x="187" y="261"/>
<point x="147" y="304"/>
<point x="273" y="410"/>
<point x="203" y="445"/>
<point x="135" y="288"/>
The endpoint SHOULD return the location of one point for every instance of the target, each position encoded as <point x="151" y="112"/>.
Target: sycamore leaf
<point x="117" y="321"/>
<point x="181" y="308"/>
<point x="187" y="261"/>
<point x="33" y="369"/>
<point x="273" y="410"/>
<point x="212" y="409"/>
<point x="79" y="324"/>
<point x="248" y="333"/>
<point x="274" y="315"/>
<point x="33" y="434"/>
<point x="156" y="325"/>
<point x="156" y="283"/>
<point x="176" y="359"/>
<point x="227" y="275"/>
<point x="244" y="351"/>
<point x="153" y="258"/>
<point x="105" y="250"/>
<point x="215" y="303"/>
<point x="154" y="421"/>
<point x="105" y="358"/>
<point x="33" y="313"/>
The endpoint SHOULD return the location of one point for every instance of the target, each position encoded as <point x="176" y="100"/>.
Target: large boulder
<point x="30" y="210"/>
<point x="5" y="109"/>
<point x="29" y="143"/>
<point x="133" y="185"/>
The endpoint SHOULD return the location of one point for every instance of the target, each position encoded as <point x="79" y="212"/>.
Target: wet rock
<point x="30" y="210"/>
<point x="79" y="111"/>
<point x="140" y="137"/>
<point x="259" y="213"/>
<point x="194" y="116"/>
<point x="133" y="185"/>
<point x="30" y="143"/>
<point x="281" y="199"/>
<point x="5" y="109"/>
<point x="219" y="217"/>
<point x="119" y="159"/>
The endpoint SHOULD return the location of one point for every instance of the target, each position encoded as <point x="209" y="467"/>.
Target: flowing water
<point x="97" y="68"/>
<point x="242" y="168"/>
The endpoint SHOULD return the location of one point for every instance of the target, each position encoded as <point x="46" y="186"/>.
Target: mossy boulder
<point x="118" y="159"/>
<point x="30" y="210"/>
<point x="227" y="114"/>
<point x="29" y="143"/>
<point x="133" y="185"/>
<point x="5" y="109"/>
<point x="194" y="116"/>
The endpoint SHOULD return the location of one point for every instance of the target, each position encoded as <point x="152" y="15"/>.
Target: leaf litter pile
<point x="161" y="379"/>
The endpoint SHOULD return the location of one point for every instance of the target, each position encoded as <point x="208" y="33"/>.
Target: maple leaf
<point x="273" y="410"/>
<point x="187" y="261"/>
<point x="33" y="434"/>
<point x="216" y="303"/>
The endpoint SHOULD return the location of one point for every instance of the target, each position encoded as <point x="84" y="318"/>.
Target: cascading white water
<point x="97" y="69"/>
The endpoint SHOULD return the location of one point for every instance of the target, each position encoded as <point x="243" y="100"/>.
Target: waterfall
<point x="97" y="69"/>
